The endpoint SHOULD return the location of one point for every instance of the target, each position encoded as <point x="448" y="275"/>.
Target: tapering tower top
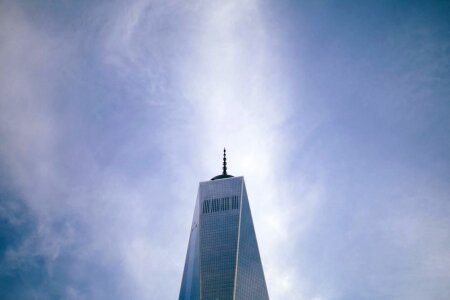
<point x="224" y="169"/>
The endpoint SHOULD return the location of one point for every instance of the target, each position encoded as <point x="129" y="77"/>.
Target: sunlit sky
<point x="337" y="113"/>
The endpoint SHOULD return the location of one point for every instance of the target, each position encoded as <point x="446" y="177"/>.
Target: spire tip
<point x="224" y="161"/>
<point x="224" y="168"/>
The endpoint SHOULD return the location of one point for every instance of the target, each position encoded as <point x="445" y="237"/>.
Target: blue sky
<point x="336" y="112"/>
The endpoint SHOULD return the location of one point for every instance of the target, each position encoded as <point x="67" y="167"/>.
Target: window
<point x="235" y="202"/>
<point x="220" y="204"/>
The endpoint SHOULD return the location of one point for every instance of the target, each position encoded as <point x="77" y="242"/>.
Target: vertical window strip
<point x="220" y="204"/>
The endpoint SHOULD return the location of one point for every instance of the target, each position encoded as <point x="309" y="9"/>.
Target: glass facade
<point x="190" y="286"/>
<point x="223" y="261"/>
<point x="250" y="283"/>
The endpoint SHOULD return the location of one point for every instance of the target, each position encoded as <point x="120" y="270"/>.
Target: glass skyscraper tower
<point x="223" y="261"/>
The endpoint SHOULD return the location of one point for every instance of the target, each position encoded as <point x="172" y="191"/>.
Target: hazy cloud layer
<point x="336" y="114"/>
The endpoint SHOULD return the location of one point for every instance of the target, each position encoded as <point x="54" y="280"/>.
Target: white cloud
<point x="206" y="75"/>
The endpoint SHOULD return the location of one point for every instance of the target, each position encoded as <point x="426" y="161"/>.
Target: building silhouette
<point x="222" y="260"/>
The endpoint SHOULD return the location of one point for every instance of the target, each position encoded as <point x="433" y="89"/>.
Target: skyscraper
<point x="222" y="260"/>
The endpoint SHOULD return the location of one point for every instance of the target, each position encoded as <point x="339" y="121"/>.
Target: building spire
<point x="224" y="168"/>
<point x="224" y="162"/>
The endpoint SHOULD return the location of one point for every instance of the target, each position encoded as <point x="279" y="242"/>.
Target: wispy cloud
<point x="108" y="124"/>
